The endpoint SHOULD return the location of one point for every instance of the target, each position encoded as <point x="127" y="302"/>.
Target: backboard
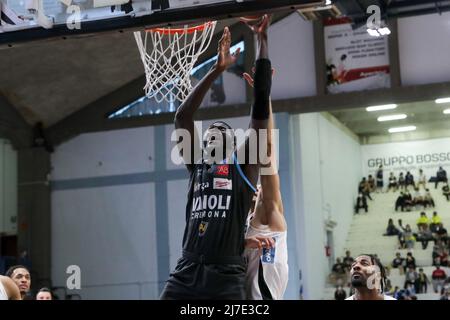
<point x="26" y="20"/>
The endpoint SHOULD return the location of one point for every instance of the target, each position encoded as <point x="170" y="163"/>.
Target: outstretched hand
<point x="225" y="58"/>
<point x="262" y="26"/>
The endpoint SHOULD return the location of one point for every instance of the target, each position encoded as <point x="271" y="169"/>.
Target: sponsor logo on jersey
<point x="222" y="184"/>
<point x="222" y="170"/>
<point x="211" y="206"/>
<point x="202" y="228"/>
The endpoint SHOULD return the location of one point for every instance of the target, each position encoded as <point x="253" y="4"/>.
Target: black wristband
<point x="261" y="89"/>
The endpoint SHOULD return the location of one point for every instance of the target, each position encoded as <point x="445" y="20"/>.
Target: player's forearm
<point x="263" y="47"/>
<point x="188" y="108"/>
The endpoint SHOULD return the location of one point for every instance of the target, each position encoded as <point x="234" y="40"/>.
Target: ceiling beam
<point x="93" y="117"/>
<point x="13" y="126"/>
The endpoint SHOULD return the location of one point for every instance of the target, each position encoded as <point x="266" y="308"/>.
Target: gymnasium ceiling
<point x="425" y="115"/>
<point x="49" y="80"/>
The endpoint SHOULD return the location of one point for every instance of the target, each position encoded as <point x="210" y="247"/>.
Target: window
<point x="145" y="106"/>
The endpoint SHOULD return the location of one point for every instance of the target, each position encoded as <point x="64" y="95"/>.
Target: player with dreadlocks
<point x="368" y="278"/>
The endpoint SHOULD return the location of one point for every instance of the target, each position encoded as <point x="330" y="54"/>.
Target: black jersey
<point x="218" y="203"/>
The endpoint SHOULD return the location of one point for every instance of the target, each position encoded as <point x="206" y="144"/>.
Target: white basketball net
<point x="169" y="57"/>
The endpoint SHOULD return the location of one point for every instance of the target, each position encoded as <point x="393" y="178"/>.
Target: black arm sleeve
<point x="261" y="91"/>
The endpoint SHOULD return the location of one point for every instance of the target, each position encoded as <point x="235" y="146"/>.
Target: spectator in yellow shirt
<point x="423" y="220"/>
<point x="435" y="221"/>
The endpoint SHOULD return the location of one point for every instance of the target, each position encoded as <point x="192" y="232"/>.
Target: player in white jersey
<point x="266" y="245"/>
<point x="368" y="277"/>
<point x="8" y="289"/>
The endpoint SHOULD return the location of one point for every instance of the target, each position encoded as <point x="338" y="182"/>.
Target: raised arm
<point x="261" y="97"/>
<point x="184" y="117"/>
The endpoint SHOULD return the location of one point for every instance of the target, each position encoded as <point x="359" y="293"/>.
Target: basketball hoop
<point x="169" y="55"/>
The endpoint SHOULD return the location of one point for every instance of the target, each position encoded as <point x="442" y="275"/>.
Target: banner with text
<point x="410" y="156"/>
<point x="355" y="60"/>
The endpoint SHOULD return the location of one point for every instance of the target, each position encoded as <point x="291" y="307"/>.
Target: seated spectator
<point x="407" y="238"/>
<point x="446" y="191"/>
<point x="398" y="262"/>
<point x="364" y="188"/>
<point x="408" y="201"/>
<point x="400" y="202"/>
<point x="423" y="282"/>
<point x="361" y="203"/>
<point x="371" y="183"/>
<point x="348" y="260"/>
<point x="428" y="200"/>
<point x="391" y="229"/>
<point x="437" y="252"/>
<point x="445" y="294"/>
<point x="388" y="289"/>
<point x="392" y="183"/>
<point x="395" y="292"/>
<point x="340" y="293"/>
<point x="338" y="273"/>
<point x="401" y="181"/>
<point x="411" y="278"/>
<point x="435" y="221"/>
<point x="422" y="180"/>
<point x="423" y="220"/>
<point x="424" y="236"/>
<point x="417" y="198"/>
<point x="438" y="278"/>
<point x="441" y="176"/>
<point x="410" y="261"/>
<point x="441" y="234"/>
<point x="409" y="180"/>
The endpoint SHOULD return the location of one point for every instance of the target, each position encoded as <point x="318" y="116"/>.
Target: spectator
<point x="409" y="180"/>
<point x="407" y="237"/>
<point x="417" y="198"/>
<point x="423" y="220"/>
<point x="398" y="262"/>
<point x="408" y="201"/>
<point x="422" y="180"/>
<point x="435" y="221"/>
<point x="371" y="182"/>
<point x="338" y="273"/>
<point x="340" y="293"/>
<point x="424" y="236"/>
<point x="391" y="229"/>
<point x="361" y="203"/>
<point x="441" y="234"/>
<point x="410" y="261"/>
<point x="441" y="176"/>
<point x="401" y="181"/>
<point x="348" y="260"/>
<point x="388" y="289"/>
<point x="44" y="294"/>
<point x="428" y="199"/>
<point x="392" y="182"/>
<point x="364" y="188"/>
<point x="411" y="278"/>
<point x="437" y="252"/>
<point x="395" y="294"/>
<point x="446" y="191"/>
<point x="379" y="176"/>
<point x="400" y="202"/>
<point x="423" y="282"/>
<point x="445" y="294"/>
<point x="438" y="278"/>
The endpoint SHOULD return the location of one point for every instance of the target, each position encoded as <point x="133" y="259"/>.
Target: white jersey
<point x="3" y="294"/>
<point x="384" y="296"/>
<point x="274" y="263"/>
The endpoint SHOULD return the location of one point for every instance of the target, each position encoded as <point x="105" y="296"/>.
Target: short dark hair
<point x="11" y="270"/>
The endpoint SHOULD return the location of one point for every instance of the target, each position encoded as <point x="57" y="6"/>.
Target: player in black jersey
<point x="220" y="187"/>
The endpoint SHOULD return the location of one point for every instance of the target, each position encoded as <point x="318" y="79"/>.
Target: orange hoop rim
<point x="189" y="30"/>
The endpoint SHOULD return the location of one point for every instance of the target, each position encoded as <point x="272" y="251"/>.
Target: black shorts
<point x="191" y="280"/>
